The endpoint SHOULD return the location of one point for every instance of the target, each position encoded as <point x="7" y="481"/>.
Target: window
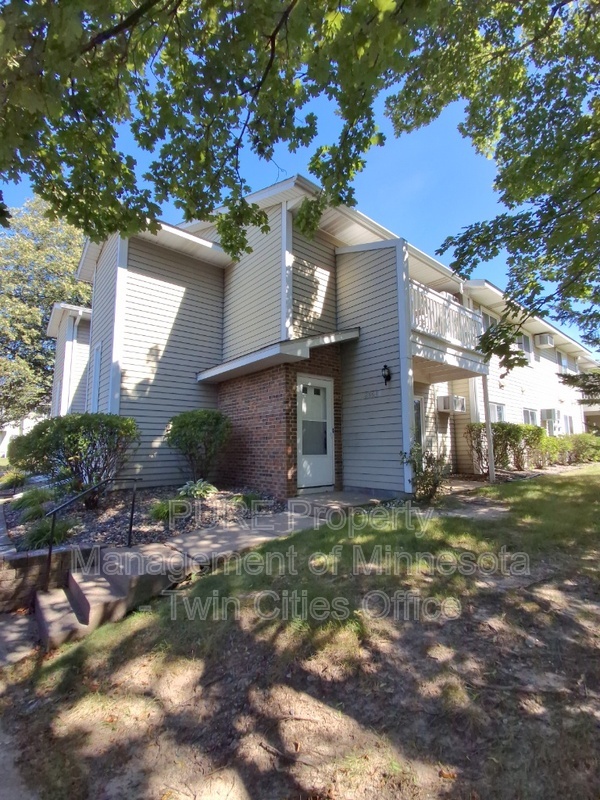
<point x="530" y="416"/>
<point x="524" y="344"/>
<point x="568" y="424"/>
<point x="488" y="320"/>
<point x="497" y="412"/>
<point x="561" y="360"/>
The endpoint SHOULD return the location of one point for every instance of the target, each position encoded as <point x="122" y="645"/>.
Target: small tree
<point x="199" y="436"/>
<point x="88" y="448"/>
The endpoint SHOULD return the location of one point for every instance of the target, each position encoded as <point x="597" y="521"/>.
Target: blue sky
<point x="424" y="186"/>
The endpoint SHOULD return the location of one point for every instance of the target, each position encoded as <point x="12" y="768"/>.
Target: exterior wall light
<point x="386" y="374"/>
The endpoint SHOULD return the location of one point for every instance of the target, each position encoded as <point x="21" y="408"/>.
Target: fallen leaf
<point x="447" y="774"/>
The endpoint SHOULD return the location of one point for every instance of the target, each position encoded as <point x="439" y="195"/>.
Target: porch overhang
<point x="438" y="364"/>
<point x="286" y="352"/>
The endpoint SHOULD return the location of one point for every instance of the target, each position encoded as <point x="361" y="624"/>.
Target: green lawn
<point x="498" y="699"/>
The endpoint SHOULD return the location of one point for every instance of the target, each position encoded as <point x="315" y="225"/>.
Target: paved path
<point x="18" y="633"/>
<point x="207" y="544"/>
<point x="6" y="545"/>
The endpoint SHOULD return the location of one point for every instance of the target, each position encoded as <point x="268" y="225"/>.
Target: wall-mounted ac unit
<point x="452" y="404"/>
<point x="544" y="340"/>
<point x="550" y="415"/>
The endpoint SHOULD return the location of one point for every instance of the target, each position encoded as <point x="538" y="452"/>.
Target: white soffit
<point x="492" y="298"/>
<point x="58" y="309"/>
<point x="280" y="353"/>
<point x="432" y="273"/>
<point x="346" y="225"/>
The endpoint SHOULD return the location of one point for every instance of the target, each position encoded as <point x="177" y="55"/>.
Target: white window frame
<point x="488" y="320"/>
<point x="562" y="361"/>
<point x="525" y="345"/>
<point x="568" y="426"/>
<point x="494" y="417"/>
<point x="530" y="416"/>
<point x="96" y="364"/>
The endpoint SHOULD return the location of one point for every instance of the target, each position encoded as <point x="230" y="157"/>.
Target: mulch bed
<point x="109" y="523"/>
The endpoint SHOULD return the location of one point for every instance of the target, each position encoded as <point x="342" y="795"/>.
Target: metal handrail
<point x="77" y="497"/>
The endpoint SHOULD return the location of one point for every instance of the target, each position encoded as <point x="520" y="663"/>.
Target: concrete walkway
<point x="202" y="547"/>
<point x="207" y="544"/>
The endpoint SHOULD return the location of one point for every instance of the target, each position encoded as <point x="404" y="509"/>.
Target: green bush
<point x="13" y="478"/>
<point x="197" y="489"/>
<point x="429" y="472"/>
<point x="160" y="511"/>
<point x="522" y="446"/>
<point x="88" y="448"/>
<point x="585" y="447"/>
<point x="32" y="512"/>
<point x="33" y="497"/>
<point x="38" y="536"/>
<point x="199" y="436"/>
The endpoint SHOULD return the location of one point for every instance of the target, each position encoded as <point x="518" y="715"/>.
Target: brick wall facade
<point x="262" y="452"/>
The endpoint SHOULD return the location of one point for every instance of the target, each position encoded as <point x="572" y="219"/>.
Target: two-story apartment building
<point x="330" y="354"/>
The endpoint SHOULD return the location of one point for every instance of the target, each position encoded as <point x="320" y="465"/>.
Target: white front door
<point x="315" y="432"/>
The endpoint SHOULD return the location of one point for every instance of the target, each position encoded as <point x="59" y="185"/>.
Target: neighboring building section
<point x="172" y="324"/>
<point x="70" y="326"/>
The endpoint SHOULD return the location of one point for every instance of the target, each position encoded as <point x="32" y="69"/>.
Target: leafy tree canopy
<point x="197" y="80"/>
<point x="38" y="259"/>
<point x="19" y="392"/>
<point x="589" y="385"/>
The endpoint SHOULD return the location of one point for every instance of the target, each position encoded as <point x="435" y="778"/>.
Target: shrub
<point x="88" y="448"/>
<point x="160" y="511"/>
<point x="585" y="447"/>
<point x="197" y="489"/>
<point x="38" y="536"/>
<point x="13" y="478"/>
<point x="429" y="472"/>
<point x="33" y="497"/>
<point x="199" y="436"/>
<point x="477" y="442"/>
<point x="533" y="439"/>
<point x="32" y="512"/>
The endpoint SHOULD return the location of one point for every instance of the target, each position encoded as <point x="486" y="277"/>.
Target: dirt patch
<point x="109" y="523"/>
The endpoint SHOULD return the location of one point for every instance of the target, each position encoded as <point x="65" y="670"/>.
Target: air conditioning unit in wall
<point x="544" y="340"/>
<point x="452" y="404"/>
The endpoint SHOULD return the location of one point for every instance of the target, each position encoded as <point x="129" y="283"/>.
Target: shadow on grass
<point x="502" y="700"/>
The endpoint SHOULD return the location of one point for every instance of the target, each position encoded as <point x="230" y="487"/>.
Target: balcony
<point x="435" y="316"/>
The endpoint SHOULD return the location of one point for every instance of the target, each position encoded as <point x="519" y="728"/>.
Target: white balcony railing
<point x="437" y="316"/>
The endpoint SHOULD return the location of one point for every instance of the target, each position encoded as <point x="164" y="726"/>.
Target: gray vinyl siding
<point x="252" y="293"/>
<point x="173" y="329"/>
<point x="463" y="456"/>
<point x="79" y="367"/>
<point x="367" y="296"/>
<point x="103" y="319"/>
<point x="313" y="285"/>
<point x="439" y="428"/>
<point x="59" y="366"/>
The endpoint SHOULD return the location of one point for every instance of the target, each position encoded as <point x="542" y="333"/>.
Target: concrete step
<point x="96" y="600"/>
<point x="56" y="618"/>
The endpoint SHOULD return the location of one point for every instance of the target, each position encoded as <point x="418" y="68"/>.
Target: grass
<point x="440" y="692"/>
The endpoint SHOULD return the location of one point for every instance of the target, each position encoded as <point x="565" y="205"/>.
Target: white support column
<point x="114" y="396"/>
<point x="488" y="429"/>
<point x="406" y="369"/>
<point x="65" y="394"/>
<point x="287" y="274"/>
